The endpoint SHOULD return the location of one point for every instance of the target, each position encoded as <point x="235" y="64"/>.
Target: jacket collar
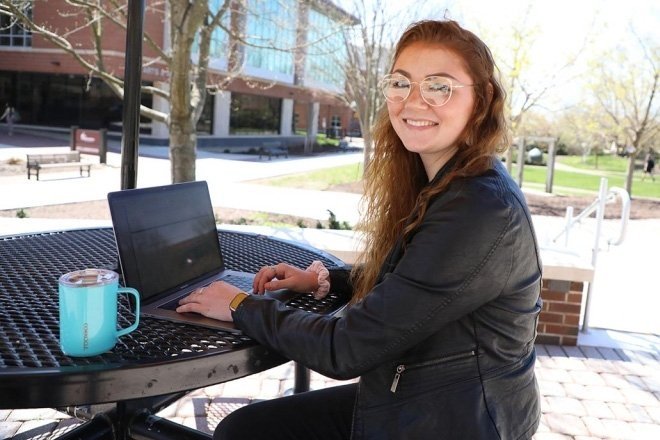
<point x="449" y="165"/>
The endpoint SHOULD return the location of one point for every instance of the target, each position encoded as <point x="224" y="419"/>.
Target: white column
<point x="159" y="129"/>
<point x="221" y="110"/>
<point x="286" y="119"/>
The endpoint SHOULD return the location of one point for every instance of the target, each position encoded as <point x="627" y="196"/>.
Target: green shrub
<point x="334" y="224"/>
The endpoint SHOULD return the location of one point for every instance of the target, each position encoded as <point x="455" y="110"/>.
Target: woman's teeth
<point x="415" y="123"/>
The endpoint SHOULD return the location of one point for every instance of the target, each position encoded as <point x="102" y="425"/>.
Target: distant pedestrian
<point x="649" y="165"/>
<point x="10" y="116"/>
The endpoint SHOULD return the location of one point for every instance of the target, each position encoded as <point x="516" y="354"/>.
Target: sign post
<point x="90" y="142"/>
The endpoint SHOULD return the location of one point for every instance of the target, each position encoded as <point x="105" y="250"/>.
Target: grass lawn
<point x="564" y="182"/>
<point x="607" y="163"/>
<point x="580" y="182"/>
<point x="320" y="180"/>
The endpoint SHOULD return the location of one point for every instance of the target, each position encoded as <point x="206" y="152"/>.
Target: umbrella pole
<point x="132" y="85"/>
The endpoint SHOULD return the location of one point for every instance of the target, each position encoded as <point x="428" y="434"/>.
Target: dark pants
<point x="322" y="414"/>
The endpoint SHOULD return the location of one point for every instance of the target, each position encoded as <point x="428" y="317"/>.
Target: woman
<point x="444" y="304"/>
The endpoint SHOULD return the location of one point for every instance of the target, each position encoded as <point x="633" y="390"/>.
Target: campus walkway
<point x="607" y="387"/>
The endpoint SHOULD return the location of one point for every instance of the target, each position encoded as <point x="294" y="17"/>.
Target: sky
<point x="562" y="21"/>
<point x="562" y="28"/>
<point x="565" y="28"/>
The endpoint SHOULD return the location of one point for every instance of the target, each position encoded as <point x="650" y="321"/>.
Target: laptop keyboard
<point x="243" y="283"/>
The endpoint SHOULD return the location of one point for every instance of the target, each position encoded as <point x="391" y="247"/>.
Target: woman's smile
<point x="420" y="123"/>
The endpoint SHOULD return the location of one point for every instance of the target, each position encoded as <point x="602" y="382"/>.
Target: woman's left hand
<point x="211" y="301"/>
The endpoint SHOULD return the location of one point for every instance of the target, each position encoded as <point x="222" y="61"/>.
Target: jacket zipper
<point x="402" y="367"/>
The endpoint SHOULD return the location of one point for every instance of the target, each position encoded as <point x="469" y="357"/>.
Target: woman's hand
<point x="211" y="301"/>
<point x="284" y="276"/>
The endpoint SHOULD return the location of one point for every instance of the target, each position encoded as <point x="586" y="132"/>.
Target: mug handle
<point x="135" y="293"/>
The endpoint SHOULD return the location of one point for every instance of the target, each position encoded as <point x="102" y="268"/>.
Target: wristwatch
<point x="238" y="299"/>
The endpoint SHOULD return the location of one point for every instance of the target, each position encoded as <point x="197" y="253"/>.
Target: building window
<point x="254" y="115"/>
<point x="327" y="54"/>
<point x="271" y="30"/>
<point x="65" y="100"/>
<point x="13" y="33"/>
<point x="218" y="47"/>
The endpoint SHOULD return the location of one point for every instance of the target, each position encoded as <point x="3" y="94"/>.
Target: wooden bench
<point x="273" y="148"/>
<point x="39" y="162"/>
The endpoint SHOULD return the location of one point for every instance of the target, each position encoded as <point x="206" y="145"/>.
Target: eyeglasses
<point x="435" y="90"/>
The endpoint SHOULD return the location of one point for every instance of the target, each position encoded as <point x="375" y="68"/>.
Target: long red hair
<point x="396" y="185"/>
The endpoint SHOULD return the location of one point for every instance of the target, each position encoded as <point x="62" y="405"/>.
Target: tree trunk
<point x="186" y="20"/>
<point x="631" y="172"/>
<point x="509" y="159"/>
<point x="183" y="154"/>
<point x="368" y="146"/>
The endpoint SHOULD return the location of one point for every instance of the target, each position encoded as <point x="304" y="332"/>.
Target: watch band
<point x="238" y="299"/>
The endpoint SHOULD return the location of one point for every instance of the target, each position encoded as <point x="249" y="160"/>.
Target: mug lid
<point x="89" y="277"/>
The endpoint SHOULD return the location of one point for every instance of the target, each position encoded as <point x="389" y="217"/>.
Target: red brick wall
<point x="62" y="17"/>
<point x="559" y="321"/>
<point x="45" y="57"/>
<point x="325" y="111"/>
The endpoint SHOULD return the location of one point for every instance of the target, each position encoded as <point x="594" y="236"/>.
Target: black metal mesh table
<point x="159" y="358"/>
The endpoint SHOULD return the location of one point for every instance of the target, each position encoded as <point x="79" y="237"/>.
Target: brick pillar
<point x="559" y="321"/>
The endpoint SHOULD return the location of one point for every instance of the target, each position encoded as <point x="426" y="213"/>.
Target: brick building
<point x="278" y="93"/>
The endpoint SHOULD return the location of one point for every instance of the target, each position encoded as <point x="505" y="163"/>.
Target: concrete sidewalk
<point x="229" y="177"/>
<point x="607" y="387"/>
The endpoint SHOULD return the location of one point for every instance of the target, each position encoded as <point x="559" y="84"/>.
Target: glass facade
<point x="254" y="115"/>
<point x="63" y="100"/>
<point x="271" y="24"/>
<point x="327" y="52"/>
<point x="13" y="33"/>
<point x="219" y="38"/>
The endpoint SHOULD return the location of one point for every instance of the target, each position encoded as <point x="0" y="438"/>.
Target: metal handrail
<point x="625" y="213"/>
<point x="610" y="197"/>
<point x="598" y="205"/>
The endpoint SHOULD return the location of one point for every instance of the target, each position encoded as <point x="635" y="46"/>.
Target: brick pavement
<point x="587" y="393"/>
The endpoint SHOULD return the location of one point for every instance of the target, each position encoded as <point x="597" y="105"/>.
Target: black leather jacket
<point x="444" y="344"/>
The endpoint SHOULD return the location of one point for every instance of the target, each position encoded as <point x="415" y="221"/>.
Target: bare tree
<point x="527" y="84"/>
<point x="370" y="46"/>
<point x="584" y="130"/>
<point x="186" y="91"/>
<point x="625" y="86"/>
<point x="185" y="55"/>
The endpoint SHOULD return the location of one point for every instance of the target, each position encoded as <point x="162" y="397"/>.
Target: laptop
<point x="168" y="246"/>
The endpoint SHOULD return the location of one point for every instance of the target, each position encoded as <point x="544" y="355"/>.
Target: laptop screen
<point x="166" y="236"/>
